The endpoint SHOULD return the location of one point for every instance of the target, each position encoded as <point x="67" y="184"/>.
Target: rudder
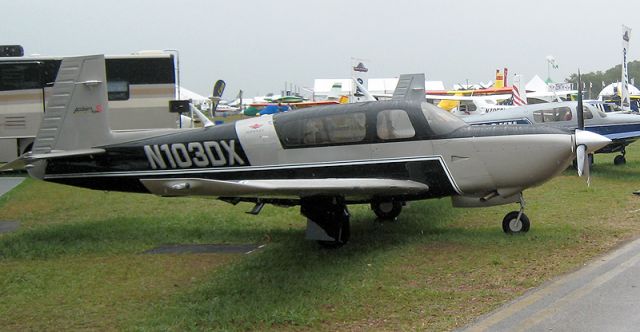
<point x="76" y="113"/>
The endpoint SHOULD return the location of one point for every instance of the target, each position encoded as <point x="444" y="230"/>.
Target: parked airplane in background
<point x="622" y="129"/>
<point x="470" y="105"/>
<point x="384" y="153"/>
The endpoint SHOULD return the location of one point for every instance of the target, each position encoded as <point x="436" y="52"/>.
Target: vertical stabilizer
<point x="76" y="113"/>
<point x="410" y="86"/>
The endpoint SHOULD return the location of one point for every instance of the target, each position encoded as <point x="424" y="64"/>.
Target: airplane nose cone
<point x="591" y="140"/>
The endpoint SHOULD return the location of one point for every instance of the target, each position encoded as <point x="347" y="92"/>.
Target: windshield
<point x="597" y="110"/>
<point x="440" y="121"/>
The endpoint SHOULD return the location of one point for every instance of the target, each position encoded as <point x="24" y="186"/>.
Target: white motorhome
<point x="140" y="86"/>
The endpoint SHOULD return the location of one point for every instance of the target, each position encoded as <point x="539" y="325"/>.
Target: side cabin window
<point x="556" y="114"/>
<point x="394" y="124"/>
<point x="320" y="129"/>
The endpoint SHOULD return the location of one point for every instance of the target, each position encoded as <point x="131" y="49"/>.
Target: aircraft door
<point x="259" y="140"/>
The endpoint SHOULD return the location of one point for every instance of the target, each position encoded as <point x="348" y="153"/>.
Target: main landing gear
<point x="387" y="210"/>
<point x="620" y="159"/>
<point x="327" y="220"/>
<point x="516" y="222"/>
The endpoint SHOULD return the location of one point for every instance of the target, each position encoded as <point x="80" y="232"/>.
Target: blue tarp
<point x="272" y="109"/>
<point x="269" y="109"/>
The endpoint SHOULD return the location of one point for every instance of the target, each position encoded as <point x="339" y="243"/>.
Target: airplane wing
<point x="282" y="188"/>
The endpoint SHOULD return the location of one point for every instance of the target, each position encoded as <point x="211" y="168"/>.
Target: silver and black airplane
<point x="622" y="128"/>
<point x="382" y="153"/>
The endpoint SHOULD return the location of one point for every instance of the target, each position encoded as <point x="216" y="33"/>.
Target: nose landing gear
<point x="516" y="222"/>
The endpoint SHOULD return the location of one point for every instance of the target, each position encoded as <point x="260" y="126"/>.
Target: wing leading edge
<point x="283" y="188"/>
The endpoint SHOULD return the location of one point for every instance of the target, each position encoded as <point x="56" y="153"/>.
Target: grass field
<point x="76" y="262"/>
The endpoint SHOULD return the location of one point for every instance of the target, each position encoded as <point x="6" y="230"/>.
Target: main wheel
<point x="619" y="160"/>
<point x="344" y="233"/>
<point x="511" y="224"/>
<point x="387" y="210"/>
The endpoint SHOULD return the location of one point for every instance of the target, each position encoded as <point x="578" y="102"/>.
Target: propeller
<point x="582" y="157"/>
<point x="586" y="141"/>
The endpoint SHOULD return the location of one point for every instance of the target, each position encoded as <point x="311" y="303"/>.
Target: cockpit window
<point x="440" y="121"/>
<point x="394" y="124"/>
<point x="596" y="110"/>
<point x="555" y="114"/>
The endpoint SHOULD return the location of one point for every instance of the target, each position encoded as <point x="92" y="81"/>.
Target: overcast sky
<point x="257" y="45"/>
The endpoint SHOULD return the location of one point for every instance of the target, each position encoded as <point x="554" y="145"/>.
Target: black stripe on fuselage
<point x="428" y="170"/>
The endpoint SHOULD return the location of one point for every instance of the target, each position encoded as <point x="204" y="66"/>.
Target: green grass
<point x="76" y="261"/>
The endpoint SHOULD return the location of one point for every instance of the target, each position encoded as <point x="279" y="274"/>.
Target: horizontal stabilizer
<point x="282" y="188"/>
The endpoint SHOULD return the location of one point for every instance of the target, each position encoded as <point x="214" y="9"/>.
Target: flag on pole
<point x="625" y="101"/>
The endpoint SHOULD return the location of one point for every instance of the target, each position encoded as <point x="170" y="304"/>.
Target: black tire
<point x="511" y="226"/>
<point x="387" y="210"/>
<point x="619" y="160"/>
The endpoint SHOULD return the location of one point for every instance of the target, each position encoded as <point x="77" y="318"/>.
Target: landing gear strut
<point x="620" y="159"/>
<point x="516" y="222"/>
<point x="327" y="220"/>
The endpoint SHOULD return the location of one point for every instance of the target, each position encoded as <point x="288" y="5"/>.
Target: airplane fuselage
<point x="392" y="139"/>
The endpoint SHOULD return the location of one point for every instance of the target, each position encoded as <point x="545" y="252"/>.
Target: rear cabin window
<point x="394" y="124"/>
<point x="323" y="130"/>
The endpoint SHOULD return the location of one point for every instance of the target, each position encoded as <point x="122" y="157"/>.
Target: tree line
<point x="594" y="81"/>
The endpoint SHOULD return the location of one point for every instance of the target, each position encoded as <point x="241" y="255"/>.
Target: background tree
<point x="609" y="76"/>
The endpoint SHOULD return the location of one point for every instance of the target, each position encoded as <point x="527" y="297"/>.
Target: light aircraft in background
<point x="382" y="153"/>
<point x="470" y="105"/>
<point x="622" y="129"/>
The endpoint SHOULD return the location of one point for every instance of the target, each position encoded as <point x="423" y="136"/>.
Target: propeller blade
<point x="581" y="153"/>
<point x="587" y="170"/>
<point x="580" y="107"/>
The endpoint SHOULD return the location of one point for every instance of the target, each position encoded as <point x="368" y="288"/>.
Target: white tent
<point x="536" y="84"/>
<point x="614" y="88"/>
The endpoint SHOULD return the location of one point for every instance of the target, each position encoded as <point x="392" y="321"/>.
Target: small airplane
<point x="622" y="129"/>
<point x="382" y="153"/>
<point x="470" y="105"/>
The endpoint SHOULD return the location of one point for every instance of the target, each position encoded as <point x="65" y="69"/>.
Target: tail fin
<point x="335" y="92"/>
<point x="411" y="87"/>
<point x="76" y="113"/>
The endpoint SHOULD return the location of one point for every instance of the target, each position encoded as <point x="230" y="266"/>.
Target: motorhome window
<point x="141" y="71"/>
<point x="556" y="114"/>
<point x="20" y="76"/>
<point x="118" y="90"/>
<point x="440" y="121"/>
<point x="394" y="124"/>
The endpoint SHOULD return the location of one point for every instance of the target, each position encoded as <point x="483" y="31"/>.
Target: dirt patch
<point x="9" y="226"/>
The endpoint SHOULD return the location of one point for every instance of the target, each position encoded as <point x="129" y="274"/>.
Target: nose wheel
<point x="516" y="222"/>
